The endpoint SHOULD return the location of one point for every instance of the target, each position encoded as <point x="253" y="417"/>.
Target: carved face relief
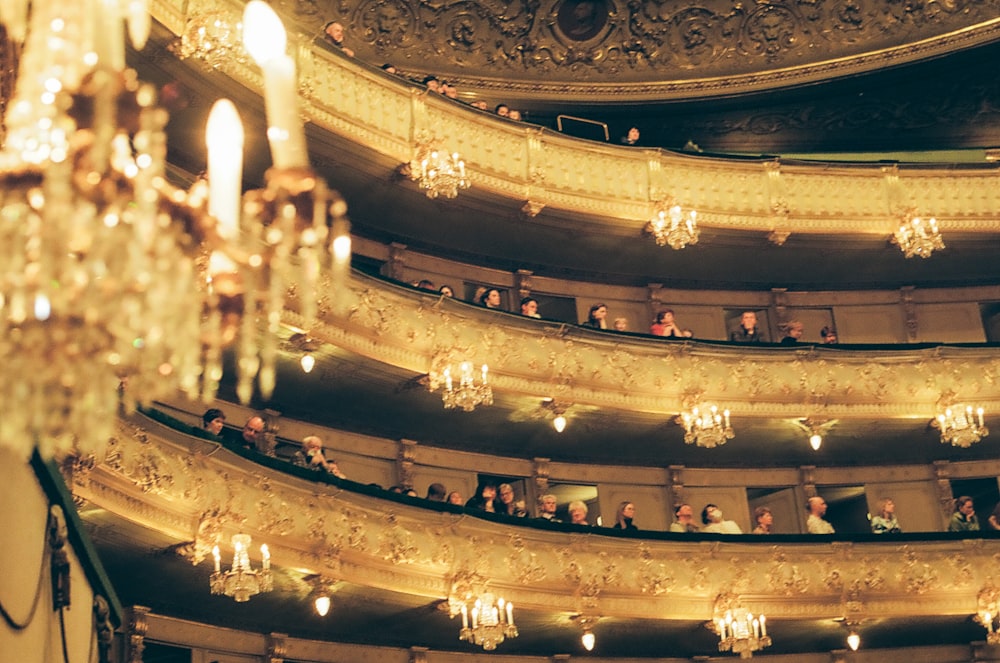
<point x="582" y="20"/>
<point x="772" y="29"/>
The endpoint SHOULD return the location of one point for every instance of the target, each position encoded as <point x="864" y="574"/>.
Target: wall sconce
<point x="587" y="624"/>
<point x="816" y="429"/>
<point x="321" y="594"/>
<point x="558" y="409"/>
<point x="302" y="342"/>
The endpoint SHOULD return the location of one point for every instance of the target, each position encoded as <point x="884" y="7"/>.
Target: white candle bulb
<point x="218" y="558"/>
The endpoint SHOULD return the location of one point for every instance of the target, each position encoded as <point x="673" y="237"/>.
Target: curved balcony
<point x="653" y="592"/>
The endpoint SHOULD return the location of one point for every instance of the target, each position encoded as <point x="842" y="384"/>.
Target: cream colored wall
<point x="23" y="520"/>
<point x="651" y="505"/>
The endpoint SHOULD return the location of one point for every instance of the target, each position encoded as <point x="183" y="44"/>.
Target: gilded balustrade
<point x="618" y="185"/>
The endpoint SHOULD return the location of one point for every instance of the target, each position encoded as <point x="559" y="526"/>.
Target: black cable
<point x="11" y="622"/>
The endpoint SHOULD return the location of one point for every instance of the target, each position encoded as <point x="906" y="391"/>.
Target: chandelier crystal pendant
<point x="917" y="236"/>
<point x="465" y="392"/>
<point x="213" y="34"/>
<point x="705" y="426"/>
<point x="488" y="622"/>
<point x="742" y="632"/>
<point x="672" y="226"/>
<point x="241" y="581"/>
<point x="441" y="174"/>
<point x="961" y="426"/>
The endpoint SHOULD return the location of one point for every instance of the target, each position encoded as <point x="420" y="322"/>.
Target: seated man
<point x="816" y="524"/>
<point x="311" y="456"/>
<point x="436" y="492"/>
<point x="747" y="332"/>
<point x="685" y="519"/>
<point x="547" y="508"/>
<point x="334" y="34"/>
<point x="711" y="517"/>
<point x="253" y="431"/>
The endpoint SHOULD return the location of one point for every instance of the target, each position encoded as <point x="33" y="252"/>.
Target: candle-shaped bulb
<point x="510" y="613"/>
<point x="266" y="556"/>
<point x="465" y="616"/>
<point x="218" y="558"/>
<point x="264" y="36"/>
<point x="224" y="139"/>
<point x="763" y="626"/>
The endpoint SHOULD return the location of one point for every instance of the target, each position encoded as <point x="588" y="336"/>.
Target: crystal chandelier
<point x="672" y="227"/>
<point x="959" y="427"/>
<point x="988" y="612"/>
<point x="105" y="300"/>
<point x="212" y="33"/>
<point x="241" y="581"/>
<point x="465" y="392"/>
<point x="488" y="622"/>
<point x="439" y="173"/>
<point x="917" y="236"/>
<point x="705" y="426"/>
<point x="740" y="631"/>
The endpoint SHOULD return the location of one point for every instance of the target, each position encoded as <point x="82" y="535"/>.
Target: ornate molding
<point x="554" y="569"/>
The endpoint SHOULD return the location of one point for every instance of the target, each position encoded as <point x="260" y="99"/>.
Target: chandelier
<point x="988" y="612"/>
<point x="672" y="227"/>
<point x="438" y="172"/>
<point x="740" y="631"/>
<point x="241" y="581"/>
<point x="917" y="236"/>
<point x="488" y="622"/>
<point x="705" y="426"/>
<point x="466" y="392"/>
<point x="958" y="426"/>
<point x="212" y="33"/>
<point x="105" y="297"/>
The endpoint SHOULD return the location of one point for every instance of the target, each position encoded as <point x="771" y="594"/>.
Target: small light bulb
<point x="307" y="361"/>
<point x="816" y="440"/>
<point x="588" y="640"/>
<point x="322" y="604"/>
<point x="559" y="423"/>
<point x="854" y="641"/>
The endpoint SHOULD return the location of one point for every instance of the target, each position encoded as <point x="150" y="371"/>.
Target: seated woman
<point x="665" y="326"/>
<point x="508" y="506"/>
<point x="490" y="298"/>
<point x="311" y="456"/>
<point x="597" y="317"/>
<point x="884" y="522"/>
<point x="213" y="421"/>
<point x="964" y="519"/>
<point x="484" y="499"/>
<point x="624" y="516"/>
<point x="455" y="497"/>
<point x="578" y="513"/>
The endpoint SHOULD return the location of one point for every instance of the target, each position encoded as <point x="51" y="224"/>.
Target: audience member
<point x="711" y="517"/>
<point x="313" y="458"/>
<point x="578" y="513"/>
<point x="624" y="516"/>
<point x="793" y="332"/>
<point x="529" y="307"/>
<point x="432" y="83"/>
<point x="764" y="519"/>
<point x="815" y="524"/>
<point x="436" y="492"/>
<point x="631" y="137"/>
<point x="446" y="290"/>
<point x="503" y="110"/>
<point x="621" y="324"/>
<point x="508" y="505"/>
<point x="964" y="519"/>
<point x="390" y="68"/>
<point x="884" y="522"/>
<point x="334" y="33"/>
<point x="426" y="284"/>
<point x="490" y="298"/>
<point x="597" y="317"/>
<point x="994" y="520"/>
<point x="455" y="497"/>
<point x="747" y="332"/>
<point x="514" y="114"/>
<point x="547" y="508"/>
<point x="449" y="91"/>
<point x="828" y="335"/>
<point x="213" y="420"/>
<point x="685" y="519"/>
<point x="480" y="104"/>
<point x="665" y="326"/>
<point x="484" y="498"/>
<point x="253" y="429"/>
